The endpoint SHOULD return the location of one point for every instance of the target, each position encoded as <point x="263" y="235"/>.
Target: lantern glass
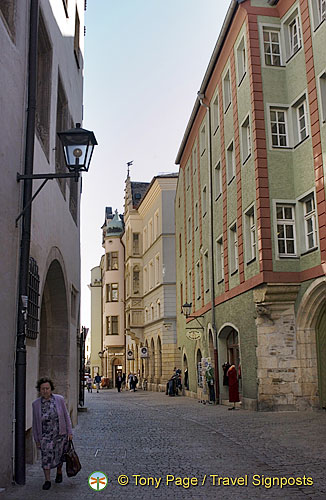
<point x="186" y="309"/>
<point x="78" y="145"/>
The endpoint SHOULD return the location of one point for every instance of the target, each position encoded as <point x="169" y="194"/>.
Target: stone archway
<point x="54" y="330"/>
<point x="152" y="361"/>
<point x="159" y="358"/>
<point x="311" y="345"/>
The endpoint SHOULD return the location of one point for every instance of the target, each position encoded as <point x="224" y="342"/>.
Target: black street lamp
<point x="186" y="311"/>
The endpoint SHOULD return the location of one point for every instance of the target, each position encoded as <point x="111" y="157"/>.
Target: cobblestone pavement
<point x="153" y="435"/>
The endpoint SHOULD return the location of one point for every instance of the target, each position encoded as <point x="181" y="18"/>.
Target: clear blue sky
<point x="144" y="63"/>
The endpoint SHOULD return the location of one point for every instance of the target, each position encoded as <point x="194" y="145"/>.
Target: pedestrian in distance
<point x="89" y="384"/>
<point x="119" y="382"/>
<point x="97" y="380"/>
<point x="135" y="382"/>
<point x="52" y="429"/>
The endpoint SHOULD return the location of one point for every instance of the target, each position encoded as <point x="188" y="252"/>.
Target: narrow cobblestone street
<point x="153" y="435"/>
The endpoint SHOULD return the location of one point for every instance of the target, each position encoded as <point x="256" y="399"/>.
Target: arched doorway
<point x="159" y="358"/>
<point x="321" y="356"/>
<point x="185" y="373"/>
<point x="117" y="367"/>
<point x="54" y="330"/>
<point x="152" y="361"/>
<point x="232" y="345"/>
<point x="199" y="368"/>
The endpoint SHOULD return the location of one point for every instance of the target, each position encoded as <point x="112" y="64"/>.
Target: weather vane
<point x="129" y="163"/>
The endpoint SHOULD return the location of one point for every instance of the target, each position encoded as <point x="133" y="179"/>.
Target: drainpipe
<point x="20" y="388"/>
<point x="211" y="241"/>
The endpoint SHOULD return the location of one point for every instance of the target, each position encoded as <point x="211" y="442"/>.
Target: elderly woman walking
<point x="51" y="429"/>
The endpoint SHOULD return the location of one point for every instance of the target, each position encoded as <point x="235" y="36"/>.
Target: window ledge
<point x="216" y="129"/>
<point x="288" y="257"/>
<point x="204" y="214"/>
<point x="218" y="196"/>
<point x="229" y="182"/>
<point x="203" y="152"/>
<point x="319" y="24"/>
<point x="303" y="140"/>
<point x="242" y="78"/>
<point x="306" y="252"/>
<point x="293" y="55"/>
<point x="234" y="272"/>
<point x="227" y="108"/>
<point x="251" y="261"/>
<point x="245" y="161"/>
<point x="282" y="148"/>
<point x="220" y="281"/>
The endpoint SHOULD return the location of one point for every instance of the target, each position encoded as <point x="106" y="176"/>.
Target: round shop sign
<point x="193" y="335"/>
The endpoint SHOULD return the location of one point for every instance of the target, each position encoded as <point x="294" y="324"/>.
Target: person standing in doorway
<point x="119" y="382"/>
<point x="52" y="429"/>
<point x="97" y="380"/>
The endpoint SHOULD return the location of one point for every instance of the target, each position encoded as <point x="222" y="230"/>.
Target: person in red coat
<point x="233" y="385"/>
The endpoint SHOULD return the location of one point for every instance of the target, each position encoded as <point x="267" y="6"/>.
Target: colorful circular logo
<point x="97" y="481"/>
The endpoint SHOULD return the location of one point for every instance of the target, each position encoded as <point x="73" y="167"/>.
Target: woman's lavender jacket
<point x="64" y="418"/>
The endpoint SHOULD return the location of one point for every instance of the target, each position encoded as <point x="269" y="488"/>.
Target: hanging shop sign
<point x="193" y="335"/>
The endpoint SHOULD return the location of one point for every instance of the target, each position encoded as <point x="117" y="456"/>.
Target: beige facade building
<point x="149" y="241"/>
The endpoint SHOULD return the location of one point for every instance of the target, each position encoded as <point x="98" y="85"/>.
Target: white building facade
<point x="51" y="343"/>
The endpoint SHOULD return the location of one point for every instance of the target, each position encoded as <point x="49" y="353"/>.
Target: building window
<point x="189" y="229"/>
<point x="202" y="140"/>
<point x="187" y="177"/>
<point x="233" y="248"/>
<point x="112" y="262"/>
<point x="198" y="285"/>
<point x="151" y="274"/>
<point x="157" y="269"/>
<point x="300" y="120"/>
<point x="206" y="272"/>
<point x="250" y="235"/>
<point x="286" y="238"/>
<point x="204" y="201"/>
<point x="227" y="91"/>
<point x="319" y="12"/>
<point x="135" y="243"/>
<point x="294" y="30"/>
<point x="242" y="60"/>
<point x="136" y="280"/>
<point x="196" y="215"/>
<point x="8" y="8"/>
<point x="77" y="40"/>
<point x="112" y="325"/>
<point x="310" y="227"/>
<point x="181" y="296"/>
<point x="112" y="292"/>
<point x="218" y="180"/>
<point x="189" y="298"/>
<point x="194" y="161"/>
<point x="158" y="309"/>
<point x="215" y="115"/>
<point x="63" y="123"/>
<point x="156" y="222"/>
<point x="44" y="78"/>
<point x="246" y="140"/>
<point x="272" y="47"/>
<point x="145" y="279"/>
<point x="150" y="232"/>
<point x="279" y="128"/>
<point x="152" y="312"/>
<point x="322" y="84"/>
<point x="33" y="300"/>
<point x="230" y="162"/>
<point x="180" y="245"/>
<point x="219" y="260"/>
<point x="145" y="238"/>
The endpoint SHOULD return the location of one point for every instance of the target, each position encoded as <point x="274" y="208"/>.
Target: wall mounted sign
<point x="193" y="335"/>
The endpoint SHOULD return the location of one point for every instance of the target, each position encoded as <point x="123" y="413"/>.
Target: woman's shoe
<point x="58" y="478"/>
<point x="46" y="485"/>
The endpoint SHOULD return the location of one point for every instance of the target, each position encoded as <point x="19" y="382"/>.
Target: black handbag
<point x="72" y="461"/>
